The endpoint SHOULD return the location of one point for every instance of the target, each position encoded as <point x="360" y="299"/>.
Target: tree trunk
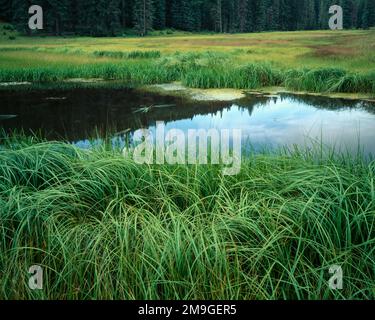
<point x="220" y="16"/>
<point x="144" y="18"/>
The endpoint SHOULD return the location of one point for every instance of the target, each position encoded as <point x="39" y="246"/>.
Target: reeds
<point x="103" y="227"/>
<point x="134" y="73"/>
<point x="129" y="55"/>
<point x="197" y="70"/>
<point x="329" y="80"/>
<point x="250" y="76"/>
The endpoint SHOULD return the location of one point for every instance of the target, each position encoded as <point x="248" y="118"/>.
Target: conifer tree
<point x="109" y="17"/>
<point x="159" y="14"/>
<point x="143" y="16"/>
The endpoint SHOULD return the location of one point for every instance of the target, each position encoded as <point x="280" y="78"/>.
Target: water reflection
<point x="78" y="114"/>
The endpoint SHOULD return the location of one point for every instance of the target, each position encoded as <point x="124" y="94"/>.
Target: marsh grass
<point x="105" y="228"/>
<point x="134" y="73"/>
<point x="129" y="55"/>
<point x="329" y="80"/>
<point x="198" y="70"/>
<point x="250" y="76"/>
<point x="306" y="61"/>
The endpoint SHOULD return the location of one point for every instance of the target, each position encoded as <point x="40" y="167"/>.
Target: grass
<point x="133" y="73"/>
<point x="129" y="55"/>
<point x="316" y="61"/>
<point x="272" y="232"/>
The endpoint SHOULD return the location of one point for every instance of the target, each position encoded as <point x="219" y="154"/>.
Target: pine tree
<point x="108" y="17"/>
<point x="368" y="17"/>
<point x="307" y="15"/>
<point x="324" y="14"/>
<point x="286" y="15"/>
<point x="159" y="14"/>
<point x="360" y="14"/>
<point x="219" y="15"/>
<point x="20" y="15"/>
<point x="57" y="15"/>
<point x="274" y="15"/>
<point x="143" y="16"/>
<point x="259" y="15"/>
<point x="6" y="10"/>
<point x="113" y="17"/>
<point x="348" y="8"/>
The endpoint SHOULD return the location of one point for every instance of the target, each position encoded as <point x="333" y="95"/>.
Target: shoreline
<point x="177" y="89"/>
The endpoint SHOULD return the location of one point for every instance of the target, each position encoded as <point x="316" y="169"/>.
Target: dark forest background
<point x="114" y="17"/>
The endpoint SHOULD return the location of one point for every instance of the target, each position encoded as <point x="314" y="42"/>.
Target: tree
<point x="219" y="15"/>
<point x="6" y="10"/>
<point x="108" y="17"/>
<point x="143" y="16"/>
<point x="368" y="16"/>
<point x="287" y="19"/>
<point x="273" y="15"/>
<point x="57" y="15"/>
<point x="348" y="9"/>
<point x="159" y="14"/>
<point x="20" y="15"/>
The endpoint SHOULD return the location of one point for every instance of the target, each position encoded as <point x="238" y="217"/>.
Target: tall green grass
<point x="105" y="228"/>
<point x="329" y="80"/>
<point x="129" y="55"/>
<point x="135" y="73"/>
<point x="245" y="77"/>
<point x="197" y="70"/>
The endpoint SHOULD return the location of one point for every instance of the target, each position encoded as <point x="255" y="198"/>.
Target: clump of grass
<point x="144" y="54"/>
<point x="250" y="76"/>
<point x="184" y="62"/>
<point x="316" y="80"/>
<point x="134" y="73"/>
<point x="103" y="227"/>
<point x="129" y="55"/>
<point x="62" y="50"/>
<point x="329" y="80"/>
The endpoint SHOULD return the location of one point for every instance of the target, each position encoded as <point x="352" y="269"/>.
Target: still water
<point x="80" y="114"/>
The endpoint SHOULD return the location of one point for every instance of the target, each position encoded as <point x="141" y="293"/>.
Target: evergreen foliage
<point x="109" y="17"/>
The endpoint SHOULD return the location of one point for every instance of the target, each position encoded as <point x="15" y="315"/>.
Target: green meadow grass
<point x="104" y="227"/>
<point x="129" y="55"/>
<point x="250" y="76"/>
<point x="315" y="61"/>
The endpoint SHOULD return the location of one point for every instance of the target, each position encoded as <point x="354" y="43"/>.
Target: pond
<point x="79" y="115"/>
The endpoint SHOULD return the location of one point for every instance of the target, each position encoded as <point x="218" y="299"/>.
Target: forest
<point x="83" y="217"/>
<point x="139" y="17"/>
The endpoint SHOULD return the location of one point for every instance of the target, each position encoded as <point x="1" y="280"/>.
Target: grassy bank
<point x="315" y="61"/>
<point x="212" y="75"/>
<point x="104" y="227"/>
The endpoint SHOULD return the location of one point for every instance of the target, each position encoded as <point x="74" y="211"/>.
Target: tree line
<point x="112" y="17"/>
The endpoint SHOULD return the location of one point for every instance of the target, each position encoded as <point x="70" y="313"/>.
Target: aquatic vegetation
<point x="128" y="55"/>
<point x="329" y="80"/>
<point x="134" y="73"/>
<point x="316" y="61"/>
<point x="250" y="76"/>
<point x="105" y="228"/>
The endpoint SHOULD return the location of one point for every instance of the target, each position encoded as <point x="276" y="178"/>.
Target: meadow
<point x="314" y="61"/>
<point x="272" y="232"/>
<point x="103" y="227"/>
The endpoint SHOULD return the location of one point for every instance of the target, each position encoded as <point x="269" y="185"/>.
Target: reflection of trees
<point x="321" y="102"/>
<point x="86" y="112"/>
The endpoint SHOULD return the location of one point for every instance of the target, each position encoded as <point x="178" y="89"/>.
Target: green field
<point x="315" y="61"/>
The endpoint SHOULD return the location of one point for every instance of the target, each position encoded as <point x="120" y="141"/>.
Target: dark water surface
<point x="79" y="114"/>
